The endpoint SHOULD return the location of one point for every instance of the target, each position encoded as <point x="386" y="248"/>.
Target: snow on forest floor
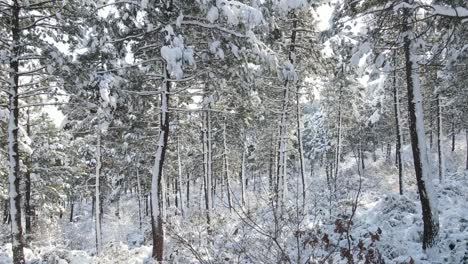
<point x="380" y="206"/>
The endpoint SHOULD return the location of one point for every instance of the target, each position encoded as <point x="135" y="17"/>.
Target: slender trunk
<point x="396" y="104"/>
<point x="27" y="180"/>
<point x="139" y="195"/>
<point x="431" y="126"/>
<point x="93" y="206"/>
<point x="242" y="178"/>
<point x="418" y="140"/>
<point x="188" y="191"/>
<point x="147" y="197"/>
<point x="300" y="147"/>
<point x="270" y="167"/>
<point x="453" y="133"/>
<point x="97" y="194"/>
<point x="338" y="143"/>
<point x="157" y="173"/>
<point x="210" y="154"/>
<point x="440" y="135"/>
<point x="226" y="168"/>
<point x="14" y="165"/>
<point x="72" y="206"/>
<point x="179" y="185"/>
<point x="363" y="159"/>
<point x="206" y="167"/>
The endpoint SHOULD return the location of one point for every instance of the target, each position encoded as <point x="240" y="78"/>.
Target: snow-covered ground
<point x="250" y="235"/>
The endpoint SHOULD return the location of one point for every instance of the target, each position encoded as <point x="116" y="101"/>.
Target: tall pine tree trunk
<point x="157" y="173"/>
<point x="418" y="140"/>
<point x="396" y="103"/>
<point x="14" y="164"/>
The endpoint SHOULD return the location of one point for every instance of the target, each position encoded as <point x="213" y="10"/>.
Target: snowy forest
<point x="224" y="131"/>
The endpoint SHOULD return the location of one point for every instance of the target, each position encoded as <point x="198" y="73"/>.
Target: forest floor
<point x="379" y="207"/>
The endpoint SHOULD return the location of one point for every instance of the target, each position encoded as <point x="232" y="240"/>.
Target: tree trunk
<point x="226" y="168"/>
<point x="453" y="133"/>
<point x="242" y="178"/>
<point x="93" y="206"/>
<point x="396" y="104"/>
<point x="188" y="191"/>
<point x="440" y="150"/>
<point x="27" y="180"/>
<point x="179" y="186"/>
<point x="300" y="147"/>
<point x="97" y="194"/>
<point x="338" y="143"/>
<point x="157" y="173"/>
<point x="210" y="153"/>
<point x="139" y="194"/>
<point x="206" y="162"/>
<point x="270" y="167"/>
<point x="147" y="197"/>
<point x="418" y="140"/>
<point x="72" y="206"/>
<point x="431" y="126"/>
<point x="14" y="163"/>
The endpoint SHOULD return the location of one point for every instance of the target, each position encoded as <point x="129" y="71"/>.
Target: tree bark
<point x="27" y="181"/>
<point x="226" y="168"/>
<point x="242" y="178"/>
<point x="206" y="161"/>
<point x="97" y="194"/>
<point x="418" y="140"/>
<point x="338" y="143"/>
<point x="440" y="150"/>
<point x="72" y="207"/>
<point x="396" y="104"/>
<point x="188" y="191"/>
<point x="139" y="194"/>
<point x="179" y="185"/>
<point x="157" y="173"/>
<point x="453" y="133"/>
<point x="14" y="164"/>
<point x="300" y="147"/>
